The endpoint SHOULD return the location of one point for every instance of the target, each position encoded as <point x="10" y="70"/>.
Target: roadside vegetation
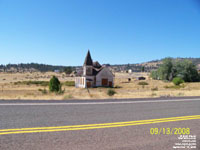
<point x="154" y="89"/>
<point x="69" y="83"/>
<point x="143" y="83"/>
<point x="36" y="86"/>
<point x="38" y="83"/>
<point x="55" y="85"/>
<point x="177" y="70"/>
<point x="111" y="92"/>
<point x="43" y="91"/>
<point x="43" y="83"/>
<point x="177" y="81"/>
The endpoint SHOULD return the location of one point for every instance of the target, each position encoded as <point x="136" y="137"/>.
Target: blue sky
<point x="60" y="32"/>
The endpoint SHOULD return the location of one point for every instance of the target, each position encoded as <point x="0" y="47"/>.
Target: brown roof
<point x="96" y="64"/>
<point x="88" y="59"/>
<point x="88" y="62"/>
<point x="96" y="70"/>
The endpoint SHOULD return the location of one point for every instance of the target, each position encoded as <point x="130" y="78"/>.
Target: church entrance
<point x="104" y="82"/>
<point x="88" y="84"/>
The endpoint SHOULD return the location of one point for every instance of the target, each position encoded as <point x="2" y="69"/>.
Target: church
<point x="94" y="75"/>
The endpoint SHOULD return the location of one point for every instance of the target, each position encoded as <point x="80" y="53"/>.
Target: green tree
<point x="54" y="85"/>
<point x="165" y="70"/>
<point x="154" y="75"/>
<point x="179" y="68"/>
<point x="68" y="70"/>
<point x="187" y="71"/>
<point x="143" y="69"/>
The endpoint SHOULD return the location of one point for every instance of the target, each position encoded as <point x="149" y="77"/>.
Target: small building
<point x="56" y="71"/>
<point x="94" y="75"/>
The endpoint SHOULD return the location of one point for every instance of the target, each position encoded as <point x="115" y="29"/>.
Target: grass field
<point x="35" y="86"/>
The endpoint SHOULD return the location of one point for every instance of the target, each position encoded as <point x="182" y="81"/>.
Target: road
<point x="100" y="124"/>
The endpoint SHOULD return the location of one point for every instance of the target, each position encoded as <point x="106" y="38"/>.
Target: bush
<point x="117" y="86"/>
<point x="177" y="81"/>
<point x="54" y="85"/>
<point x="44" y="91"/>
<point x="143" y="83"/>
<point x="155" y="89"/>
<point x="175" y="86"/>
<point x="111" y="92"/>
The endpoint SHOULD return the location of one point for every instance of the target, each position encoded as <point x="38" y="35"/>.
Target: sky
<point x="60" y="32"/>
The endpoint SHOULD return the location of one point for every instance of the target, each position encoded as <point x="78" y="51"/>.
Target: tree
<point x="170" y="69"/>
<point x="154" y="75"/>
<point x="187" y="71"/>
<point x="68" y="70"/>
<point x="54" y="85"/>
<point x="165" y="70"/>
<point x="143" y="69"/>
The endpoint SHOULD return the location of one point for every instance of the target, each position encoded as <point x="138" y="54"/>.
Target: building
<point x="93" y="75"/>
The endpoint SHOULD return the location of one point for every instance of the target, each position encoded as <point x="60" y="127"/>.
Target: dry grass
<point x="123" y="88"/>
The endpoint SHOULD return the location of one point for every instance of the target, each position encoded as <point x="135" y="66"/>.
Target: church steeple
<point x="88" y="59"/>
<point x="88" y="65"/>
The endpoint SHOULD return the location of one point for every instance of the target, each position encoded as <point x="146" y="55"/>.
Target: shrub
<point x="155" y="89"/>
<point x="174" y="86"/>
<point x="111" y="92"/>
<point x="54" y="85"/>
<point x="44" y="91"/>
<point x="153" y="94"/>
<point x="61" y="91"/>
<point x="177" y="81"/>
<point x="143" y="83"/>
<point x="117" y="86"/>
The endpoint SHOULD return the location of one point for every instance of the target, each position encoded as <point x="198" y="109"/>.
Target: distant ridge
<point x="32" y="67"/>
<point x="196" y="61"/>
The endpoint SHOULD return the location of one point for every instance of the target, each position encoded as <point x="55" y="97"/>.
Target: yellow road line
<point x="95" y="126"/>
<point x="101" y="124"/>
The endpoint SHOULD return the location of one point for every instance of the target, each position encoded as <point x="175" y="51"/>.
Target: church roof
<point x="95" y="72"/>
<point x="96" y="67"/>
<point x="96" y="64"/>
<point x="88" y="60"/>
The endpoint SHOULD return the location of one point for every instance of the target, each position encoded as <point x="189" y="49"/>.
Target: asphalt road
<point x="29" y="114"/>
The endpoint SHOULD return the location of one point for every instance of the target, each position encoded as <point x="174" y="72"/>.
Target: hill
<point x="148" y="66"/>
<point x="33" y="67"/>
